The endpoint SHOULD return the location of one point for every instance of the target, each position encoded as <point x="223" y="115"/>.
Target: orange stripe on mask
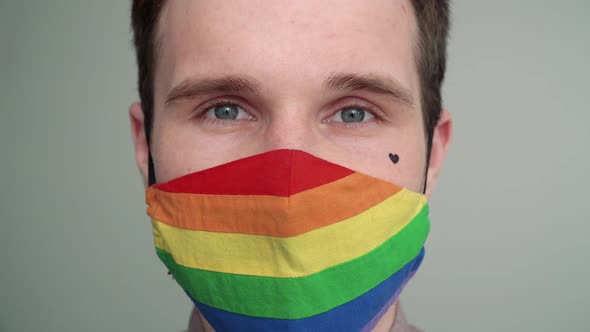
<point x="269" y="215"/>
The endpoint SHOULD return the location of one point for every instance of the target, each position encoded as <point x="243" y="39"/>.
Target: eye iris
<point x="352" y="115"/>
<point x="226" y="112"/>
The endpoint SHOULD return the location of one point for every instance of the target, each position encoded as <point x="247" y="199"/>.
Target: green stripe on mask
<point x="296" y="298"/>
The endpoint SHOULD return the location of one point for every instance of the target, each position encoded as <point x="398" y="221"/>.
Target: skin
<point x="290" y="48"/>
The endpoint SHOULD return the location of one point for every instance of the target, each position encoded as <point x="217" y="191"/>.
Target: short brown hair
<point x="433" y="26"/>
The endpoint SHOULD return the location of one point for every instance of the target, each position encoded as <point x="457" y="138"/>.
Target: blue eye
<point x="351" y="115"/>
<point x="227" y="111"/>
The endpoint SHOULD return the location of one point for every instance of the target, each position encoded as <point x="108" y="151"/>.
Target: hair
<point x="433" y="22"/>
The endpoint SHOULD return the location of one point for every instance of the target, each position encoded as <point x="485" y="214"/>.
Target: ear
<point x="139" y="139"/>
<point x="440" y="143"/>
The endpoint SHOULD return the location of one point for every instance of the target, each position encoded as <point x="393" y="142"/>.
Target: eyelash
<point x="367" y="108"/>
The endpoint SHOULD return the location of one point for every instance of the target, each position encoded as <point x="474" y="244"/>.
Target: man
<point x="354" y="83"/>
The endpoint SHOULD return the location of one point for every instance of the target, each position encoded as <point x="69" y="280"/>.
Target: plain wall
<point x="508" y="249"/>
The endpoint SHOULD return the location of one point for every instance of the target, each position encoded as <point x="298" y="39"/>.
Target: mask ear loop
<point x="428" y="150"/>
<point x="151" y="175"/>
<point x="151" y="172"/>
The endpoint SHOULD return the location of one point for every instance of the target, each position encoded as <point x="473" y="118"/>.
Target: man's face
<point x="337" y="79"/>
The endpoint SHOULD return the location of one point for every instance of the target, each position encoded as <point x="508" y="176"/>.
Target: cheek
<point x="175" y="157"/>
<point x="408" y="172"/>
<point x="371" y="157"/>
<point x="180" y="148"/>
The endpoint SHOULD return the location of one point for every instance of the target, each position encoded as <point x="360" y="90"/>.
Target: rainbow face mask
<point x="285" y="241"/>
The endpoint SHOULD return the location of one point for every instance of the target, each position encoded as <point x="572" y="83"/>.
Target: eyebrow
<point x="232" y="84"/>
<point x="370" y="82"/>
<point x="241" y="84"/>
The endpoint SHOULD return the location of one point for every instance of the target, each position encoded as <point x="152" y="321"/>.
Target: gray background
<point x="509" y="242"/>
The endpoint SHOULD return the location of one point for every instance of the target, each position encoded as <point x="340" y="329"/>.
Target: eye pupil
<point x="226" y="112"/>
<point x="352" y="115"/>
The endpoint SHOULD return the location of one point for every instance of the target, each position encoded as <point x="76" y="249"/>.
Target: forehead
<point x="285" y="43"/>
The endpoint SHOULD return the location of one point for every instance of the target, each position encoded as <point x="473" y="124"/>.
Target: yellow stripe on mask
<point x="261" y="255"/>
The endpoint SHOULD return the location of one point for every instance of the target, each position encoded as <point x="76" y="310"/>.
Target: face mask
<point x="285" y="241"/>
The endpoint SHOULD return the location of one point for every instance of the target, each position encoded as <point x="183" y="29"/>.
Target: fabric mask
<point x="285" y="241"/>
